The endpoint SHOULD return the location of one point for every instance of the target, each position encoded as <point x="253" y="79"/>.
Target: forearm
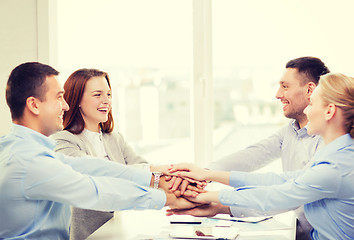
<point x="98" y="167"/>
<point x="253" y="157"/>
<point x="239" y="179"/>
<point x="218" y="176"/>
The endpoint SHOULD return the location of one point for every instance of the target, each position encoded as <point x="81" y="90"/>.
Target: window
<point x="172" y="62"/>
<point x="146" y="48"/>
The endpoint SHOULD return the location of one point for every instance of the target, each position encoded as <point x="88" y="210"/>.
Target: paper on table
<point x="202" y="232"/>
<point x="245" y="219"/>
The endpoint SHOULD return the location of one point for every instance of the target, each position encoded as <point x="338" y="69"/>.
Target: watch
<point x="157" y="176"/>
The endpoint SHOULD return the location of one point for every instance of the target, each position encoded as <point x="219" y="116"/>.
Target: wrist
<point x="223" y="209"/>
<point x="155" y="179"/>
<point x="209" y="175"/>
<point x="159" y="168"/>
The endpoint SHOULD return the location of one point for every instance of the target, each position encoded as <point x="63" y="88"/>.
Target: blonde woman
<point x="326" y="188"/>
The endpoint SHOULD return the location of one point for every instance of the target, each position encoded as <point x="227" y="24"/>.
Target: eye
<point x="97" y="95"/>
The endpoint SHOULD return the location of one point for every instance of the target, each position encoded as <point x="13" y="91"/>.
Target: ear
<point x="32" y="105"/>
<point x="330" y="111"/>
<point x="310" y="88"/>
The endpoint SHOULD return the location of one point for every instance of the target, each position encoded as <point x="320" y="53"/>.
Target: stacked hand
<point x="187" y="182"/>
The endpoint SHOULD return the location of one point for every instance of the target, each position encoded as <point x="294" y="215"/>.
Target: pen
<point x="185" y="222"/>
<point x="239" y="220"/>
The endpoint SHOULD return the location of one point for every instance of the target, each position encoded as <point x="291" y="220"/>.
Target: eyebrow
<point x="100" y="91"/>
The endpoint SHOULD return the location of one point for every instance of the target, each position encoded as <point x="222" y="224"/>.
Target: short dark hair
<point x="26" y="80"/>
<point x="313" y="68"/>
<point x="74" y="90"/>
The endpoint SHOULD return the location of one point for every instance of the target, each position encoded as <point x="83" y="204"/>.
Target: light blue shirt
<point x="38" y="185"/>
<point x="326" y="188"/>
<point x="291" y="143"/>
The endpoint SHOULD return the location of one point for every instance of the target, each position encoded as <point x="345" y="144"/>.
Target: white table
<point x="153" y="224"/>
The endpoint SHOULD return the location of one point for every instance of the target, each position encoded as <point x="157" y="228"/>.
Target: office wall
<point x="24" y="36"/>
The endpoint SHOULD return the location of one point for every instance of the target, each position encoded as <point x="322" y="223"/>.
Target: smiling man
<point x="292" y="143"/>
<point x="38" y="185"/>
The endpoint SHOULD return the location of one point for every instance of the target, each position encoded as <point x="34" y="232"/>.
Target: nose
<point x="106" y="99"/>
<point x="65" y="106"/>
<point x="279" y="93"/>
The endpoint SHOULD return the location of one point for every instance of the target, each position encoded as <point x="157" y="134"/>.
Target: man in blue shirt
<point x="292" y="143"/>
<point x="38" y="185"/>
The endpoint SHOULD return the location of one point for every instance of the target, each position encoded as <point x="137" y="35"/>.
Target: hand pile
<point x="184" y="186"/>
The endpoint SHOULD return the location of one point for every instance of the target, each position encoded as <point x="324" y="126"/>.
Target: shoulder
<point x="113" y="136"/>
<point x="61" y="134"/>
<point x="65" y="136"/>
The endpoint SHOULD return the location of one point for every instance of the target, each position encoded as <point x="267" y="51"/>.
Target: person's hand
<point x="191" y="191"/>
<point x="174" y="199"/>
<point x="189" y="171"/>
<point x="204" y="198"/>
<point x="175" y="202"/>
<point x="206" y="210"/>
<point x="177" y="183"/>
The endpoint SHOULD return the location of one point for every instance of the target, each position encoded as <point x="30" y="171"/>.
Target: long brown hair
<point x="74" y="89"/>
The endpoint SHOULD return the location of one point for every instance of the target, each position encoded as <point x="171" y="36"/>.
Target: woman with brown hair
<point x="88" y="130"/>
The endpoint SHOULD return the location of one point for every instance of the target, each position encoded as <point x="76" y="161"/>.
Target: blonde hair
<point x="338" y="89"/>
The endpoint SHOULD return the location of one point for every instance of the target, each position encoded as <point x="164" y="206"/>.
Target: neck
<point x="29" y="124"/>
<point x="93" y="128"/>
<point x="332" y="133"/>
<point x="302" y="121"/>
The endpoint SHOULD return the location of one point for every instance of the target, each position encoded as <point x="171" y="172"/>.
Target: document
<point x="200" y="232"/>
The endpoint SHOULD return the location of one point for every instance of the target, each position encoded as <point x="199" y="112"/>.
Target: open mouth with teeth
<point x="103" y="110"/>
<point x="285" y="104"/>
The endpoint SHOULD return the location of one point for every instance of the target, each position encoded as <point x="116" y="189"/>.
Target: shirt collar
<point x="27" y="133"/>
<point x="301" y="132"/>
<point x="337" y="144"/>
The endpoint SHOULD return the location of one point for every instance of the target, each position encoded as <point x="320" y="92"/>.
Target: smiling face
<point x="52" y="107"/>
<point x="96" y="103"/>
<point x="294" y="95"/>
<point x="315" y="113"/>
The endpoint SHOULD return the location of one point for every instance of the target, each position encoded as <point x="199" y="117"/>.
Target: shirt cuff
<point x="225" y="197"/>
<point x="158" y="199"/>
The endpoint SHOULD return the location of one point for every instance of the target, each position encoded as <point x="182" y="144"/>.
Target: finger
<point x="196" y="189"/>
<point x="177" y="193"/>
<point x="168" y="178"/>
<point x="176" y="184"/>
<point x="186" y="176"/>
<point x="184" y="186"/>
<point x="172" y="182"/>
<point x="171" y="212"/>
<point x="179" y="167"/>
<point x="201" y="184"/>
<point x="190" y="193"/>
